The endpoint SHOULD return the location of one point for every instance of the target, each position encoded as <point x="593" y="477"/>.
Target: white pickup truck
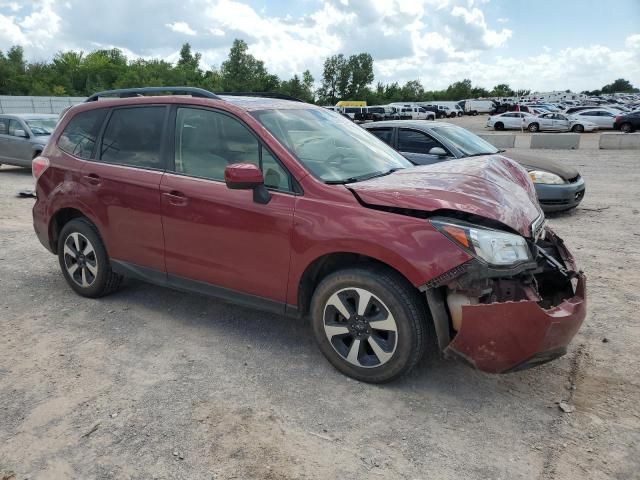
<point x="417" y="112"/>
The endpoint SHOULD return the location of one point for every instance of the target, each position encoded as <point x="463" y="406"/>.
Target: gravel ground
<point x="151" y="383"/>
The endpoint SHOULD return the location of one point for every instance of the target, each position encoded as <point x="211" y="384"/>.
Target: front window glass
<point x="331" y="147"/>
<point x="469" y="143"/>
<point x="412" y="141"/>
<point x="42" y="126"/>
<point x="208" y="141"/>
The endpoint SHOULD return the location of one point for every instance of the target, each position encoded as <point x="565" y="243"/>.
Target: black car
<point x="627" y="123"/>
<point x="559" y="186"/>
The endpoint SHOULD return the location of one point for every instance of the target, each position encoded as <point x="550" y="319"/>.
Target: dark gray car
<point x="559" y="187"/>
<point x="23" y="136"/>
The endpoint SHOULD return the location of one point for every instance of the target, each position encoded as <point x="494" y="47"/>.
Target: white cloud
<point x="181" y="27"/>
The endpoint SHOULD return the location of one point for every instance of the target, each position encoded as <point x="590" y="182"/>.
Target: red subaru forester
<point x="288" y="207"/>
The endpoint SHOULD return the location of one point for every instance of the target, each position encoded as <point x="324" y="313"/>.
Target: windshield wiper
<point x="366" y="176"/>
<point x="483" y="153"/>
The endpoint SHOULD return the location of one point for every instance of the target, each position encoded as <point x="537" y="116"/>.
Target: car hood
<point x="493" y="187"/>
<point x="532" y="162"/>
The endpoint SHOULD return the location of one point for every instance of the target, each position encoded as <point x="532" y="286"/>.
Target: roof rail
<point x="281" y="96"/>
<point x="141" y="92"/>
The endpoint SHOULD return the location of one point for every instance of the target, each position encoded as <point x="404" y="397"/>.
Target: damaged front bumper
<point x="517" y="321"/>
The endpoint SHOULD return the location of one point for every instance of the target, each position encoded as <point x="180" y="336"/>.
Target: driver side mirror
<point x="20" y="133"/>
<point x="247" y="176"/>
<point x="440" y="152"/>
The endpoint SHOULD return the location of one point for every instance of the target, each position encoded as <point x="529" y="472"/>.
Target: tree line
<point x="75" y="73"/>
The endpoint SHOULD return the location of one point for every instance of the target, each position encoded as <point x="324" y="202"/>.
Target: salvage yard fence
<point x="30" y="104"/>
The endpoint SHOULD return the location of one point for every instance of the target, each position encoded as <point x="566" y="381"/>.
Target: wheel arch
<point x="328" y="263"/>
<point x="61" y="217"/>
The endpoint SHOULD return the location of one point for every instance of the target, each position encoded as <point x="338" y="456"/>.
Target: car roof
<point x="29" y="116"/>
<point x="264" y="103"/>
<point x="417" y="124"/>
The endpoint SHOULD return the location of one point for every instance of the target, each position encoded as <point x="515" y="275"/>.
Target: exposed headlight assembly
<point x="495" y="247"/>
<point x="540" y="176"/>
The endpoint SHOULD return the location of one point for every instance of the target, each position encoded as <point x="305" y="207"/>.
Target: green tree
<point x="242" y="72"/>
<point x="502" y="90"/>
<point x="619" y="86"/>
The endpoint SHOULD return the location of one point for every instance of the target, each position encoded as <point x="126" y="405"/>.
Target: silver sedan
<point x="24" y="136"/>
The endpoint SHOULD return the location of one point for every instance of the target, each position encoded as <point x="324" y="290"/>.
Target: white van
<point x="452" y="109"/>
<point x="474" y="107"/>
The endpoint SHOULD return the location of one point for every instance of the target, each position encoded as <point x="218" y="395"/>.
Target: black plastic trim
<point x="141" y="92"/>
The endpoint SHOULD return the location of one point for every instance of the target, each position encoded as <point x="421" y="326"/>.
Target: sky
<point x="543" y="45"/>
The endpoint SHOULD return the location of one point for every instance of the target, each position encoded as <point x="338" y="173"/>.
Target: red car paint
<point x="202" y="230"/>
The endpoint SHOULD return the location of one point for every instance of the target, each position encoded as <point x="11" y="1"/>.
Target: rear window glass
<point x="79" y="136"/>
<point x="133" y="137"/>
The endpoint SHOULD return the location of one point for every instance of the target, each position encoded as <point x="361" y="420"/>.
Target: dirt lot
<point x="150" y="383"/>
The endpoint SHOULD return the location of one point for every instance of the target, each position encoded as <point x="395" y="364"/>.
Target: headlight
<point x="493" y="246"/>
<point x="540" y="176"/>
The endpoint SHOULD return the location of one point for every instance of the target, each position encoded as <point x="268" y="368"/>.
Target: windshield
<point x="469" y="143"/>
<point x="42" y="126"/>
<point x="331" y="147"/>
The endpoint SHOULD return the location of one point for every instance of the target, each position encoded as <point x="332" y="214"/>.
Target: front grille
<point x="554" y="202"/>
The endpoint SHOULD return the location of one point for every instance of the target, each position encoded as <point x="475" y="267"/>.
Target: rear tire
<point x="370" y="323"/>
<point x="626" y="128"/>
<point x="499" y="126"/>
<point x="578" y="128"/>
<point x="533" y="127"/>
<point x="84" y="261"/>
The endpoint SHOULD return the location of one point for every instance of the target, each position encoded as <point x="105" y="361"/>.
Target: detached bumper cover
<point x="502" y="337"/>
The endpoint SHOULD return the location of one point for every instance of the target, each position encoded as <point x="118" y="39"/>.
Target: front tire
<point x="578" y="128"/>
<point x="84" y="261"/>
<point x="626" y="128"/>
<point x="499" y="126"/>
<point x="370" y="323"/>
<point x="533" y="128"/>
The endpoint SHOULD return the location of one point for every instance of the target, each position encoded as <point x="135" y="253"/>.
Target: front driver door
<point x="415" y="146"/>
<point x="217" y="240"/>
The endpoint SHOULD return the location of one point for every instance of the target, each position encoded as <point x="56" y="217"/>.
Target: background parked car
<point x="571" y="123"/>
<point x="24" y="136"/>
<point x="559" y="186"/>
<point x="601" y="117"/>
<point x="627" y="123"/>
<point x="516" y="121"/>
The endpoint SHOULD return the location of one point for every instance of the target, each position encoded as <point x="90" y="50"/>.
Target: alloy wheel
<point x="80" y="259"/>
<point x="360" y="327"/>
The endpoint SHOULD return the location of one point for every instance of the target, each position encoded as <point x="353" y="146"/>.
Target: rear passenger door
<point x="123" y="179"/>
<point x="415" y="146"/>
<point x="220" y="240"/>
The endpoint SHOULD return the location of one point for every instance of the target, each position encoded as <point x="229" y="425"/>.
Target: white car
<point x="566" y="122"/>
<point x="603" y="118"/>
<point x="523" y="120"/>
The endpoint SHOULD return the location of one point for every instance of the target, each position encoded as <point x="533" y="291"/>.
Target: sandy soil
<point x="151" y="383"/>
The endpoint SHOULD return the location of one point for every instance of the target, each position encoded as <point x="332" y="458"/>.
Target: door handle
<point x="175" y="198"/>
<point x="93" y="179"/>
